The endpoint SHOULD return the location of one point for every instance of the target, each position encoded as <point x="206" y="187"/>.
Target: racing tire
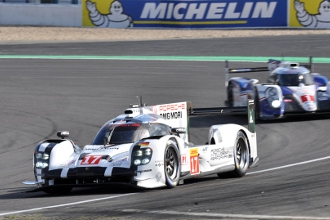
<point x="256" y="106"/>
<point x="58" y="190"/>
<point x="241" y="157"/>
<point x="230" y="96"/>
<point x="172" y="164"/>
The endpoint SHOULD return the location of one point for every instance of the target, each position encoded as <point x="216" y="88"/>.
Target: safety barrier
<point x="66" y="15"/>
<point x="209" y="14"/>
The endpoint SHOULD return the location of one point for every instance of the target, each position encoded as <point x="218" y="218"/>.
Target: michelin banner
<point x="309" y="13"/>
<point x="185" y="13"/>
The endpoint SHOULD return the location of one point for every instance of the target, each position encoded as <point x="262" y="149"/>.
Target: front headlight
<point x="45" y="156"/>
<point x="272" y="97"/>
<point x="41" y="165"/>
<point x="137" y="162"/>
<point x="138" y="153"/>
<point x="147" y="151"/>
<point x="145" y="161"/>
<point x="41" y="160"/>
<point x="276" y="103"/>
<point x="141" y="156"/>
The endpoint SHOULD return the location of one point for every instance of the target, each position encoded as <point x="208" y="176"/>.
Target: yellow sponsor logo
<point x="193" y="152"/>
<point x="309" y="13"/>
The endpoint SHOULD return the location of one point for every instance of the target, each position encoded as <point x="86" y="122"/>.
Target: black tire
<point x="256" y="106"/>
<point x="230" y="96"/>
<point x="58" y="190"/>
<point x="241" y="157"/>
<point x="172" y="164"/>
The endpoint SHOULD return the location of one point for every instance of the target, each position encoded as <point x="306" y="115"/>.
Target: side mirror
<point x="179" y="130"/>
<point x="62" y="134"/>
<point x="106" y="139"/>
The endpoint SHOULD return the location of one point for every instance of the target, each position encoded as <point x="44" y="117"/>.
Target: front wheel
<point x="241" y="157"/>
<point x="172" y="164"/>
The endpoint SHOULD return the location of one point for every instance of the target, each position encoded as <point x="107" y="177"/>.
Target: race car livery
<point x="291" y="88"/>
<point x="148" y="147"/>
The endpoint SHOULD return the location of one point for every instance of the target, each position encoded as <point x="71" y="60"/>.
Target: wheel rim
<point x="171" y="163"/>
<point x="241" y="153"/>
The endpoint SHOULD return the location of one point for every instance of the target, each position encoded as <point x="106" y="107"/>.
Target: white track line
<point x="290" y="165"/>
<point x="188" y="213"/>
<point x="66" y="204"/>
<point x="219" y="215"/>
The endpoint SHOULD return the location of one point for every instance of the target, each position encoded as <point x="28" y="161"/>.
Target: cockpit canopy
<point x="292" y="79"/>
<point x="114" y="134"/>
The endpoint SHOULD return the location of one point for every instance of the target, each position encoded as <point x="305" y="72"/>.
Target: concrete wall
<point x="41" y="14"/>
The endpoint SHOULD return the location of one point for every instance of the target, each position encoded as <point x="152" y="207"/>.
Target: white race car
<point x="147" y="146"/>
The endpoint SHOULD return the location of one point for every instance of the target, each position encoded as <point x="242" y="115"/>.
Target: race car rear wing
<point x="272" y="64"/>
<point x="178" y="114"/>
<point x="249" y="110"/>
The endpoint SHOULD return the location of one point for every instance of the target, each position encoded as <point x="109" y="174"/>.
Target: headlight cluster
<point x="41" y="160"/>
<point x="273" y="97"/>
<point x="142" y="156"/>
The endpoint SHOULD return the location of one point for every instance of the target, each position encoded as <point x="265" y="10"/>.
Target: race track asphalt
<point x="41" y="96"/>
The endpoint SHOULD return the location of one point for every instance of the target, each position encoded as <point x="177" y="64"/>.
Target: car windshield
<point x="113" y="134"/>
<point x="295" y="79"/>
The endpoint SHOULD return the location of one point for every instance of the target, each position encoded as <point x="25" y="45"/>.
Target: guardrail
<point x="207" y="14"/>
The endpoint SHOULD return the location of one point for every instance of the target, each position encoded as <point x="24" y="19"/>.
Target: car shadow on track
<point x="113" y="189"/>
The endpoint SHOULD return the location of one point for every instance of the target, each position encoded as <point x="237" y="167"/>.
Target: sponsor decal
<point x="158" y="176"/>
<point x="323" y="96"/>
<point x="91" y="159"/>
<point x="186" y="14"/>
<point x="128" y="125"/>
<point x="118" y="162"/>
<point x="115" y="17"/>
<point x="307" y="98"/>
<point x="143" y="171"/>
<point x="205" y="149"/>
<point x="194" y="161"/>
<point x="159" y="163"/>
<point x="219" y="153"/>
<point x="310" y="13"/>
<point x="97" y="149"/>
<point x="65" y="165"/>
<point x="184" y="159"/>
<point x="208" y="10"/>
<point x="172" y="107"/>
<point x="94" y="159"/>
<point x="171" y="115"/>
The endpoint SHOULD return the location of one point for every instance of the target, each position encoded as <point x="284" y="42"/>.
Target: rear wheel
<point x="172" y="164"/>
<point x="230" y="96"/>
<point x="256" y="106"/>
<point x="241" y="157"/>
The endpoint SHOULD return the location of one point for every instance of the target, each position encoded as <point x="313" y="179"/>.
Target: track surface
<point x="39" y="97"/>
